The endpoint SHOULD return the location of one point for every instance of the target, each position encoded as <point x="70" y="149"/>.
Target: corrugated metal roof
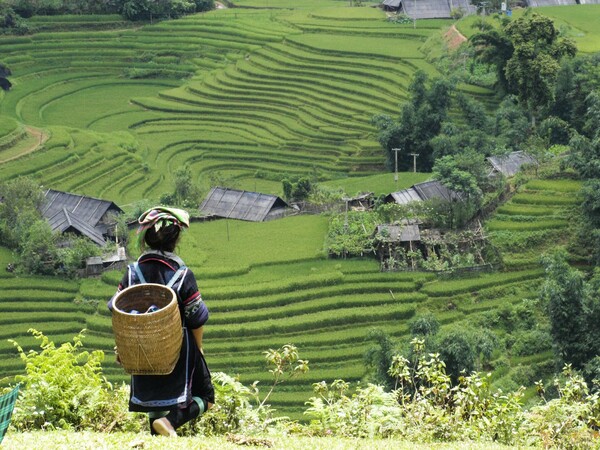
<point x="401" y="233"/>
<point x="551" y="2"/>
<point x="63" y="221"/>
<point x="406" y="196"/>
<point x="391" y="3"/>
<point x="72" y="212"/>
<point x="423" y="191"/>
<point x="510" y="164"/>
<point x="434" y="189"/>
<point x="87" y="209"/>
<point x="243" y="205"/>
<point x="426" y="9"/>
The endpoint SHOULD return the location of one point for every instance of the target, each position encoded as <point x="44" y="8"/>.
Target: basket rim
<point x="141" y="286"/>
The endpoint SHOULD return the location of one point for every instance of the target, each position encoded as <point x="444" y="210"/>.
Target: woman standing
<point x="174" y="399"/>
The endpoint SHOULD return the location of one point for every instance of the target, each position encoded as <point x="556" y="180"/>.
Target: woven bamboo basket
<point x="147" y="343"/>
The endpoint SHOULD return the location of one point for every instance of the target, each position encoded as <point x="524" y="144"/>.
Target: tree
<point x="447" y="172"/>
<point x="576" y="80"/>
<point x="204" y="5"/>
<point x="493" y="47"/>
<point x="564" y="294"/>
<point x="421" y="119"/>
<point x="137" y="9"/>
<point x="379" y="357"/>
<point x="21" y="199"/>
<point x="532" y="69"/>
<point x="185" y="192"/>
<point x="39" y="254"/>
<point x="296" y="188"/>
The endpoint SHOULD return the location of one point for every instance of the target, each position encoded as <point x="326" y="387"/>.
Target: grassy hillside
<point x="246" y="95"/>
<point x="242" y="96"/>
<point x="270" y="284"/>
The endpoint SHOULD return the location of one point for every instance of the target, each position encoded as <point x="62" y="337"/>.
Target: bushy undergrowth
<point x="64" y="388"/>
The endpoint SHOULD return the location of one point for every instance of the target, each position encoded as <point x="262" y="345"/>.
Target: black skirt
<point x="190" y="378"/>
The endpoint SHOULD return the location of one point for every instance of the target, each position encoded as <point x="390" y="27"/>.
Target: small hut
<point x="361" y="202"/>
<point x="421" y="192"/>
<point x="243" y="205"/>
<point x="509" y="165"/>
<point x="95" y="265"/>
<point x="394" y="241"/>
<point x="85" y="216"/>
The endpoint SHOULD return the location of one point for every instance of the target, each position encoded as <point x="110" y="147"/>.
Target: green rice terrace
<point x="265" y="289"/>
<point x="242" y="96"/>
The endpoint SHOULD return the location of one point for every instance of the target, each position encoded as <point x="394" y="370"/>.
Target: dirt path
<point x="40" y="137"/>
<point x="454" y="38"/>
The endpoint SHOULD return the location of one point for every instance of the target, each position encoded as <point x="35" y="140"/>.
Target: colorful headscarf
<point x="161" y="216"/>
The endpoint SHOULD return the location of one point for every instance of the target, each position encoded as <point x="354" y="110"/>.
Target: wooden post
<point x="396" y="150"/>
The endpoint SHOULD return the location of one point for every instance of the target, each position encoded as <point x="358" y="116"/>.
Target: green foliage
<point x="186" y="192"/>
<point x="566" y="295"/>
<point x="493" y="47"/>
<point x="64" y="388"/>
<point x="234" y="411"/>
<point x="351" y="233"/>
<point x="425" y="406"/>
<point x="39" y="252"/>
<point x="447" y="172"/>
<point x="11" y="22"/>
<point x="296" y="189"/>
<point x="569" y="421"/>
<point x="532" y="68"/>
<point x="420" y="120"/>
<point x="286" y="364"/>
<point x="22" y="198"/>
<point x="378" y="358"/>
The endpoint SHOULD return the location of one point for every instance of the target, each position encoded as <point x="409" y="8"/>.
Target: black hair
<point x="164" y="240"/>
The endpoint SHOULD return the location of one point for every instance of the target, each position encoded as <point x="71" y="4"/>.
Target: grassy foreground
<point x="96" y="441"/>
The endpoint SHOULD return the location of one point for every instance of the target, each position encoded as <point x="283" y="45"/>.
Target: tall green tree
<point x="564" y="293"/>
<point x="532" y="69"/>
<point x="421" y="119"/>
<point x="463" y="183"/>
<point x="20" y="200"/>
<point x="493" y="47"/>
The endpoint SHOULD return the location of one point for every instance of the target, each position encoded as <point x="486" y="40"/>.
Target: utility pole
<point x="346" y="199"/>
<point x="415" y="15"/>
<point x="414" y="155"/>
<point x="396" y="150"/>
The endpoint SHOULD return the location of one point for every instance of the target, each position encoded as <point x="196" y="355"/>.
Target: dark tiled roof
<point x="243" y="205"/>
<point x="72" y="212"/>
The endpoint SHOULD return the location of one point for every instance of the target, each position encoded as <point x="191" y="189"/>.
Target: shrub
<point x="425" y="406"/>
<point x="64" y="388"/>
<point x="532" y="342"/>
<point x="569" y="421"/>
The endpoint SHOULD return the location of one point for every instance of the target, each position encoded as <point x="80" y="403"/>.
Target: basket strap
<point x="138" y="272"/>
<point x="175" y="277"/>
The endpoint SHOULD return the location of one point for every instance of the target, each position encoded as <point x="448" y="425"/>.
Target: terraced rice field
<point x="289" y="293"/>
<point x="537" y="218"/>
<point x="229" y="94"/>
